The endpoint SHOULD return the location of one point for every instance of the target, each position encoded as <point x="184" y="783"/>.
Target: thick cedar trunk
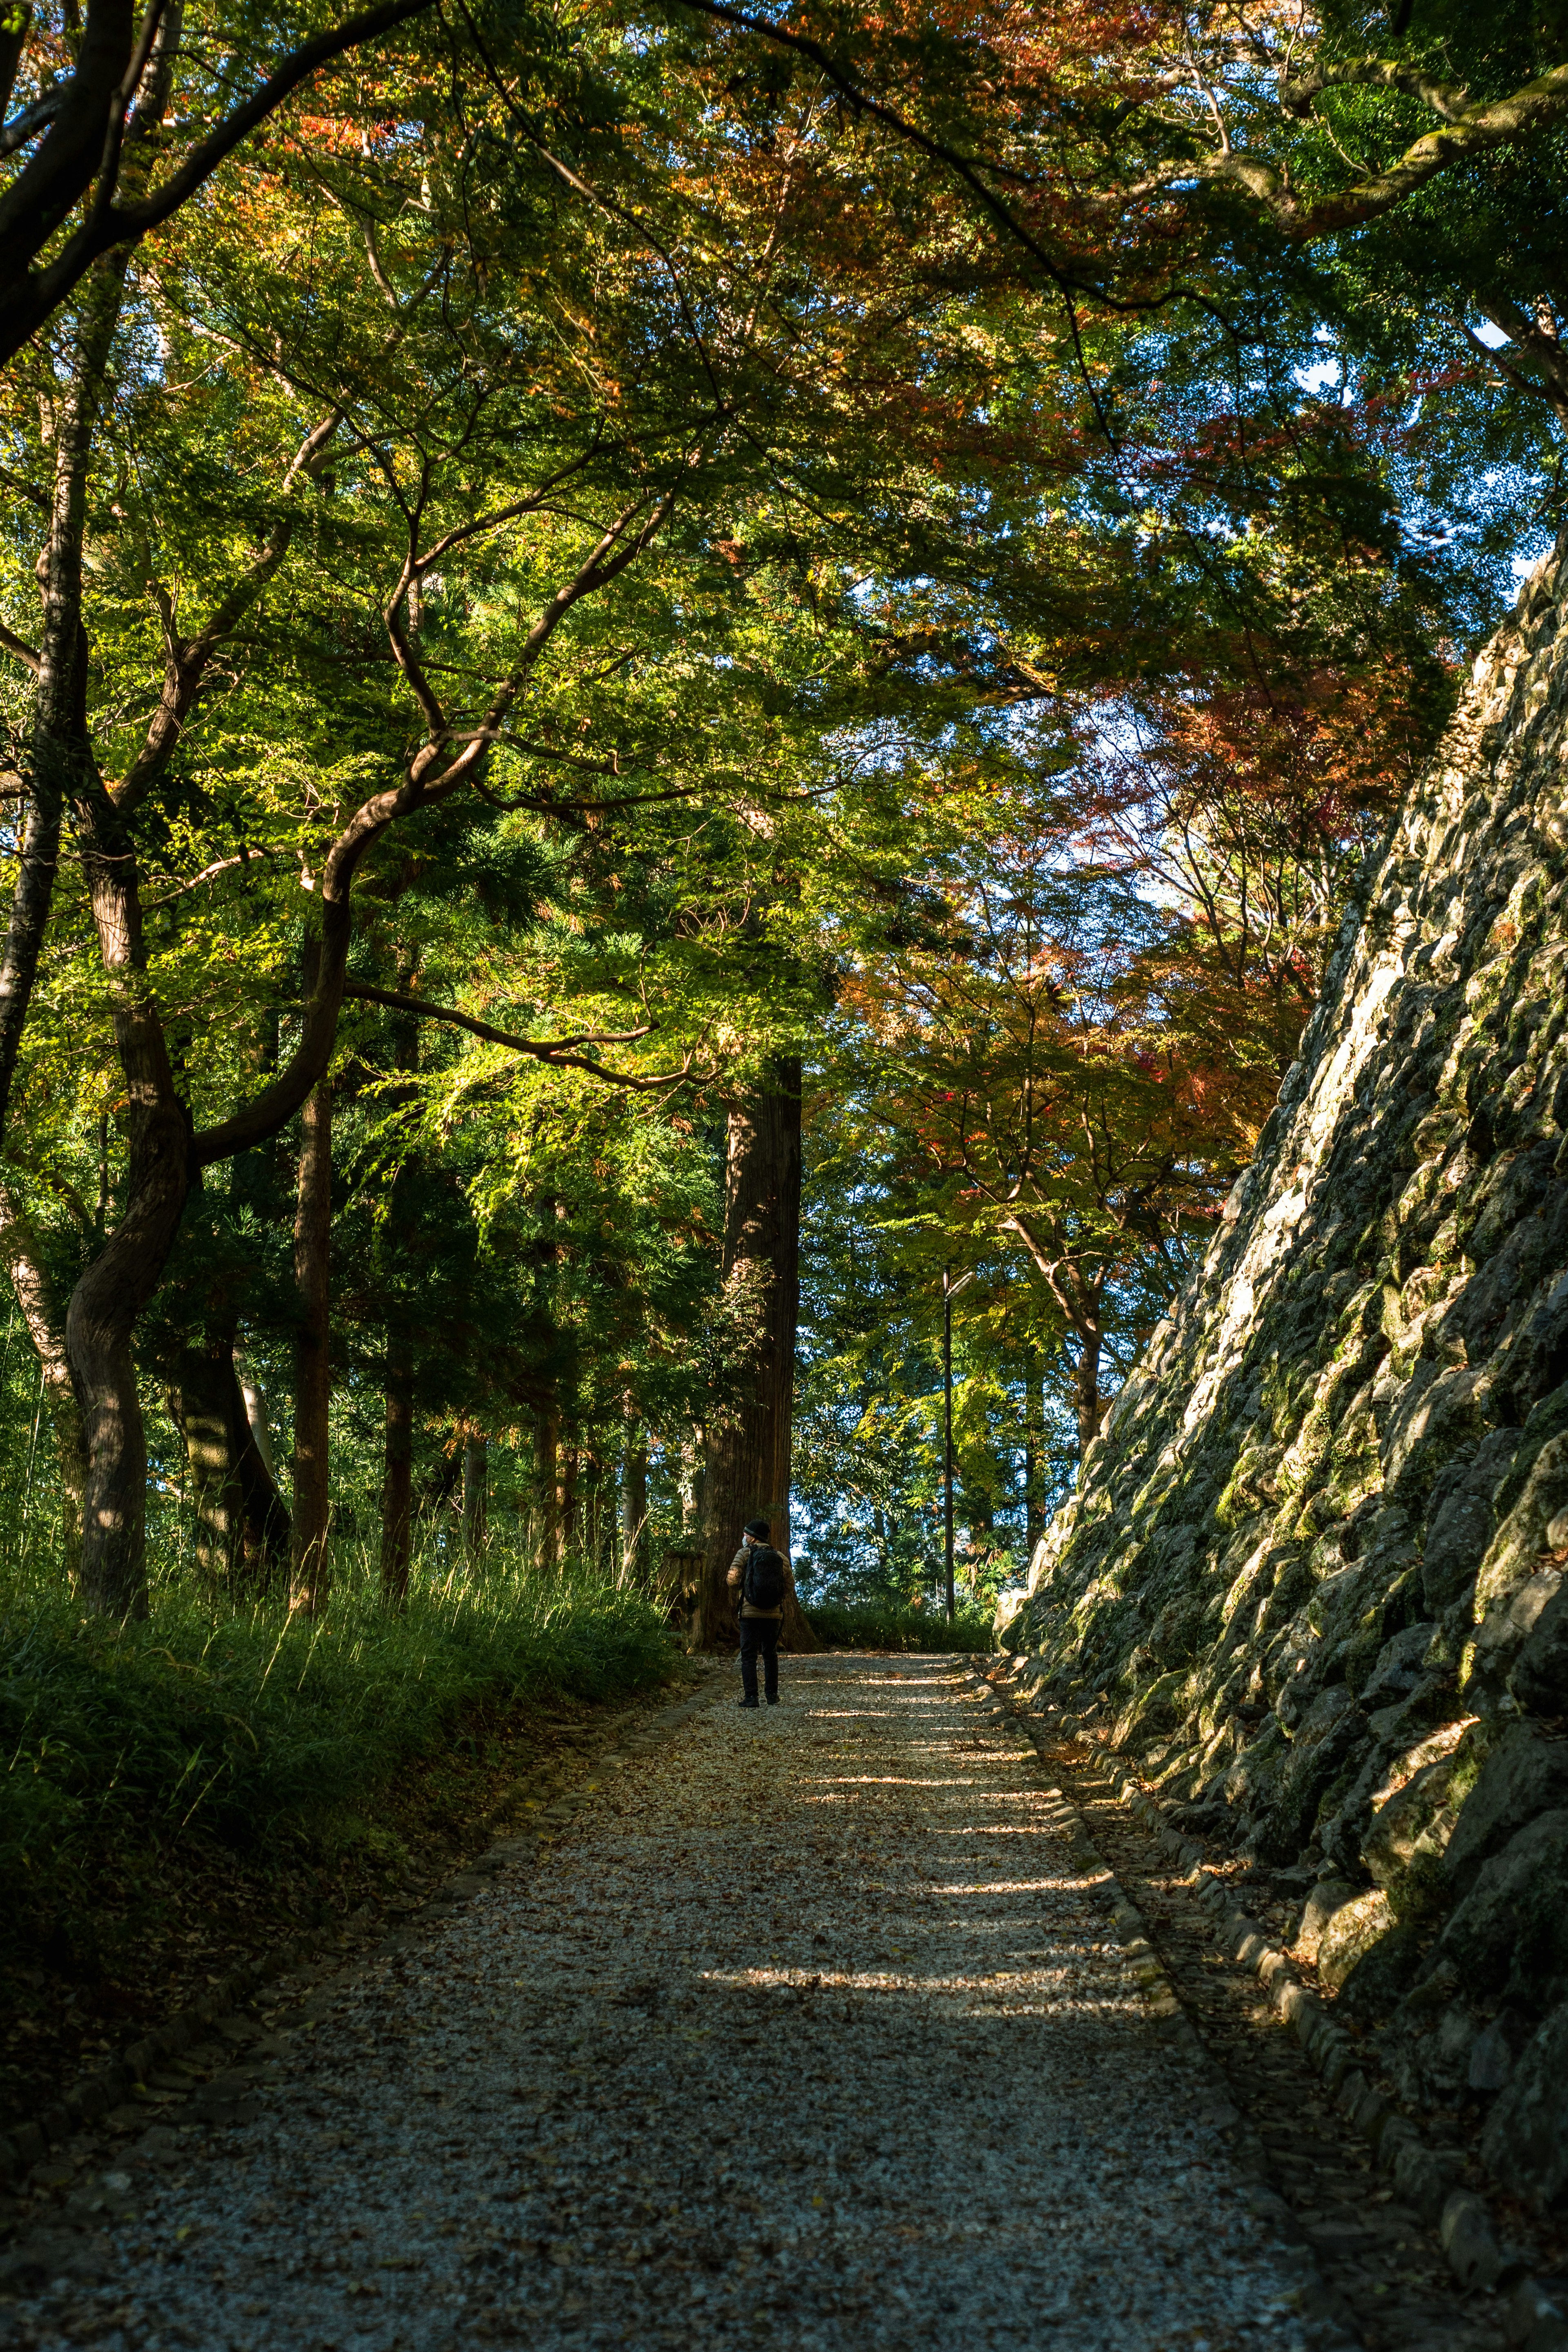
<point x="476" y="1498"/>
<point x="397" y="1484"/>
<point x="747" y="1469"/>
<point x="312" y="1363"/>
<point x="40" y="1307"/>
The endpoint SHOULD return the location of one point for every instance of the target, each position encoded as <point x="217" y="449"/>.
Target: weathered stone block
<point x="1329" y="1896"/>
<point x="1539" y="1678"/>
<point x="1525" y="2145"/>
<point x="1414" y="1816"/>
<point x="1526" y="1773"/>
<point x="1510" y="1932"/>
<point x="1353" y="1928"/>
<point x="1376" y="1979"/>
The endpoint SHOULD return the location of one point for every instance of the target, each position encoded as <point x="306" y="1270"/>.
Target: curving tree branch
<point x="83" y="121"/>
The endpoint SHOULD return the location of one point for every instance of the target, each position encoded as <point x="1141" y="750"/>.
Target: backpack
<point x="763" y="1583"/>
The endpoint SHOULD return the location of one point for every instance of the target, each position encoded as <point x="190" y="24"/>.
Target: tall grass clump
<point x="238" y="1723"/>
<point x="897" y="1625"/>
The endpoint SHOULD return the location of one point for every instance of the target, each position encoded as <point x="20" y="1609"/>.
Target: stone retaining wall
<point x="1314" y="1567"/>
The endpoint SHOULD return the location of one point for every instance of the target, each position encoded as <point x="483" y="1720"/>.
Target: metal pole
<point x="947" y="1434"/>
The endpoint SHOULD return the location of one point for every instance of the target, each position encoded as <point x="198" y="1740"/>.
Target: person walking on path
<point x="762" y="1577"/>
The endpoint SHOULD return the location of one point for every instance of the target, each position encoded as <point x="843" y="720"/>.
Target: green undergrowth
<point x="238" y="1727"/>
<point x="892" y="1625"/>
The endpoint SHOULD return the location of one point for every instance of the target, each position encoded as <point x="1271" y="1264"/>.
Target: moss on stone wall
<point x="1310" y="1572"/>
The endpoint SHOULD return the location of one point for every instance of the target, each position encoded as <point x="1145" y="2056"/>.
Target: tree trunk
<point x="312" y="1362"/>
<point x="255" y="1401"/>
<point x="101" y="1321"/>
<point x="566" y="1505"/>
<point x="1034" y="1459"/>
<point x="547" y="1475"/>
<point x="265" y="1532"/>
<point x="592" y="1508"/>
<point x="107" y="1300"/>
<point x="634" y="1506"/>
<point x="59" y="747"/>
<point x="1086" y="1387"/>
<point x="397" y="1485"/>
<point x="39" y="1303"/>
<point x="692" y="1452"/>
<point x="101" y="1317"/>
<point x="750" y="1434"/>
<point x="476" y="1498"/>
<point x="242" y="1524"/>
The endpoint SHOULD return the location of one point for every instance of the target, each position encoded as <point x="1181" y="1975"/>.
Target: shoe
<point x="774" y="1700"/>
<point x="746" y="1702"/>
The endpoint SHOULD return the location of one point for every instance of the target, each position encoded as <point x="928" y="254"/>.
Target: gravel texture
<point x="806" y="2028"/>
<point x="1378" y="2260"/>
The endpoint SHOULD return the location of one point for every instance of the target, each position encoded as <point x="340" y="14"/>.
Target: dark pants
<point x="759" y="1634"/>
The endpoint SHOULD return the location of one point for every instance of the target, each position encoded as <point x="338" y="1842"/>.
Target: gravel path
<point x="807" y="2029"/>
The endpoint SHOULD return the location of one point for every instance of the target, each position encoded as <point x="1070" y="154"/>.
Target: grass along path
<point x="178" y="1797"/>
<point x="807" y="2029"/>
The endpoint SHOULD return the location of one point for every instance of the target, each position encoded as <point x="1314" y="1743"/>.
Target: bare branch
<point x="559" y="1051"/>
<point x="31" y="120"/>
<point x="13" y="644"/>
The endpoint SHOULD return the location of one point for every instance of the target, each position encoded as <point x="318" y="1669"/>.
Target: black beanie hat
<point x="762" y="1528"/>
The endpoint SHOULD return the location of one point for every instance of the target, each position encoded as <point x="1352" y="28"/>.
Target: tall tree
<point x="748" y="1466"/>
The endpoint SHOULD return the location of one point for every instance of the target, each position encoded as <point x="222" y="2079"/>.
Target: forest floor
<point x="171" y="1921"/>
<point x="802" y="2026"/>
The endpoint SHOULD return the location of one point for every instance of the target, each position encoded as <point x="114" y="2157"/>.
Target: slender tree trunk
<point x="634" y="1505"/>
<point x="59" y="750"/>
<point x="312" y="1363"/>
<point x="547" y="1478"/>
<point x="254" y="1399"/>
<point x="1034" y="1458"/>
<point x="102" y="1224"/>
<point x="749" y="1437"/>
<point x="103" y="1308"/>
<point x="691" y="1456"/>
<point x="397" y="1485"/>
<point x="205" y="1414"/>
<point x="101" y="1317"/>
<point x="566" y="1505"/>
<point x="40" y="1307"/>
<point x="476" y="1498"/>
<point x="266" y="1532"/>
<point x="592" y="1502"/>
<point x="1086" y="1386"/>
